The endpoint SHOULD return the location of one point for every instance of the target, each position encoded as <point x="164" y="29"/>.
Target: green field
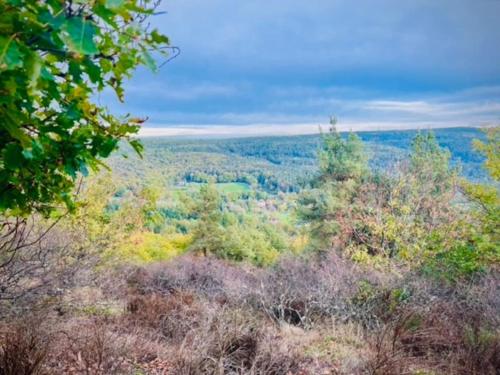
<point x="225" y="188"/>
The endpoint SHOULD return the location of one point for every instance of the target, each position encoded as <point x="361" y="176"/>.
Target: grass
<point x="233" y="188"/>
<point x="225" y="188"/>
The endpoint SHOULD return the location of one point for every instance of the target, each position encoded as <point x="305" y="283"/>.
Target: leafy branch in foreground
<point x="54" y="56"/>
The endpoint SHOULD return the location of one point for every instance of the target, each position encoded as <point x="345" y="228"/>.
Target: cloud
<point x="296" y="62"/>
<point x="447" y="37"/>
<point x="208" y="104"/>
<point x="183" y="92"/>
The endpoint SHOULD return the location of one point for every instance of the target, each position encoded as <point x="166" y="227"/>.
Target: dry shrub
<point x="207" y="277"/>
<point x="295" y="291"/>
<point x="89" y="347"/>
<point x="172" y="315"/>
<point x="231" y="342"/>
<point x="442" y="337"/>
<point x="270" y="360"/>
<point x="389" y="356"/>
<point x="24" y="346"/>
<point x="303" y="292"/>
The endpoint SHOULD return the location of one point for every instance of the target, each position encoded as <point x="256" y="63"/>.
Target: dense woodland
<point x="283" y="164"/>
<point x="370" y="253"/>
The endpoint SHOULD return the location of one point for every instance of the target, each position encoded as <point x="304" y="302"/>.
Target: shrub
<point x="173" y="315"/>
<point x="443" y="336"/>
<point x="207" y="277"/>
<point x="145" y="247"/>
<point x="302" y="292"/>
<point x="89" y="347"/>
<point x="233" y="342"/>
<point x="23" y="348"/>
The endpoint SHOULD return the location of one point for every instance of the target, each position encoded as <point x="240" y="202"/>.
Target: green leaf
<point x="14" y="130"/>
<point x="137" y="146"/>
<point x="106" y="15"/>
<point x="114" y="4"/>
<point x="159" y="38"/>
<point x="79" y="36"/>
<point x="55" y="22"/>
<point x="13" y="157"/>
<point x="148" y="60"/>
<point x="33" y="67"/>
<point x="28" y="154"/>
<point x="10" y="55"/>
<point x="15" y="2"/>
<point x="75" y="71"/>
<point x="107" y="147"/>
<point x="92" y="70"/>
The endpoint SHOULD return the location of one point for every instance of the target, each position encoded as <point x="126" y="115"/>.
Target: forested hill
<point x="281" y="163"/>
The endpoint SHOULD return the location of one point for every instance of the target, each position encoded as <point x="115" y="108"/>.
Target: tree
<point x="54" y="56"/>
<point x="399" y="211"/>
<point x="208" y="231"/>
<point x="342" y="166"/>
<point x="341" y="159"/>
<point x="476" y="237"/>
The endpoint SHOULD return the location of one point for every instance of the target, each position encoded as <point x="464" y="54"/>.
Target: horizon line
<point x="251" y="130"/>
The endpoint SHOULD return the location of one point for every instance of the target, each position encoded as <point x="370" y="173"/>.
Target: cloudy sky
<point x="287" y="65"/>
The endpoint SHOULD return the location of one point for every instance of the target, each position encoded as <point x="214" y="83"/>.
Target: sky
<point x="286" y="66"/>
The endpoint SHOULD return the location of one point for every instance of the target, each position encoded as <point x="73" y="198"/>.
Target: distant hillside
<point x="281" y="163"/>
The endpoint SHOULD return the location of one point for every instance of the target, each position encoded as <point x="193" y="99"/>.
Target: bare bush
<point x="441" y="337"/>
<point x="23" y="348"/>
<point x="301" y="292"/>
<point x="231" y="342"/>
<point x="89" y="347"/>
<point x="208" y="277"/>
<point x="171" y="316"/>
<point x="38" y="259"/>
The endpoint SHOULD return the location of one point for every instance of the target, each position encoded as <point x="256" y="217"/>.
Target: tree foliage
<point x="475" y="238"/>
<point x="341" y="159"/>
<point x="54" y="56"/>
<point x="208" y="231"/>
<point x="342" y="166"/>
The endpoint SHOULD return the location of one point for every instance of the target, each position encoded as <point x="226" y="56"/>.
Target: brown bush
<point x="232" y="342"/>
<point x="207" y="277"/>
<point x="89" y="347"/>
<point x="442" y="337"/>
<point x="23" y="348"/>
<point x="296" y="291"/>
<point x="302" y="292"/>
<point x="172" y="315"/>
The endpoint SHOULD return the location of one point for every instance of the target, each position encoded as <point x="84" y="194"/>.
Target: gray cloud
<point x="296" y="62"/>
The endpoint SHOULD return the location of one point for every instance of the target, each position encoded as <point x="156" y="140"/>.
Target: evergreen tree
<point x="341" y="159"/>
<point x="208" y="231"/>
<point x="342" y="166"/>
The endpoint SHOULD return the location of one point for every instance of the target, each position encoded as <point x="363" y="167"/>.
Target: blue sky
<point x="248" y="66"/>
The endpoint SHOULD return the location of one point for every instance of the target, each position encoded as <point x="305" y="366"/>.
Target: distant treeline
<point x="286" y="163"/>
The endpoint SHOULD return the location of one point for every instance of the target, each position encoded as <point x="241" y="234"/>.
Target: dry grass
<point x="205" y="316"/>
<point x="233" y="342"/>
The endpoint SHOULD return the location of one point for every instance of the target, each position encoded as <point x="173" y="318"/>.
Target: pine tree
<point x="208" y="231"/>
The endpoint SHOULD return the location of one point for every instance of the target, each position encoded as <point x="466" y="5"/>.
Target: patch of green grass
<point x="223" y="187"/>
<point x="233" y="188"/>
